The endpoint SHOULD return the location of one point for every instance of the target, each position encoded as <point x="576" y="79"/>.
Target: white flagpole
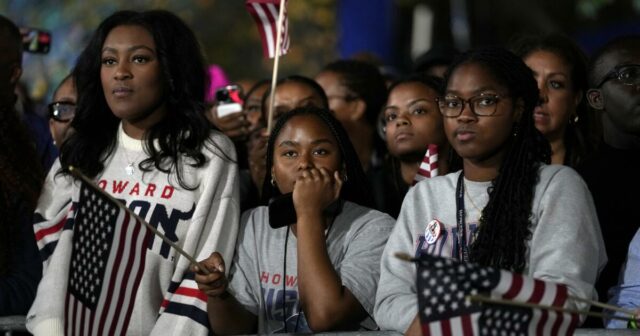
<point x="276" y="61"/>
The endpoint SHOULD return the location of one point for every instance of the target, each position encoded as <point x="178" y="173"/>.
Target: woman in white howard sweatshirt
<point x="141" y="134"/>
<point x="506" y="208"/>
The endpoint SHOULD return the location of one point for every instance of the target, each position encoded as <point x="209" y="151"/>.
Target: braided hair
<point x="505" y="225"/>
<point x="355" y="189"/>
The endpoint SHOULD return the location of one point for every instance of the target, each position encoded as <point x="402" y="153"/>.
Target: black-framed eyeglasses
<point x="481" y="105"/>
<point x="62" y="111"/>
<point x="627" y="74"/>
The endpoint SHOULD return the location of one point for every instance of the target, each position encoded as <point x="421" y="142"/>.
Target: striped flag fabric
<point x="443" y="285"/>
<point x="107" y="262"/>
<point x="429" y="166"/>
<point x="265" y="13"/>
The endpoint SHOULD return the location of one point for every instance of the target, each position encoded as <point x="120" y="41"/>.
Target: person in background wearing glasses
<point x="356" y="91"/>
<point x="612" y="173"/>
<point x="506" y="208"/>
<point x="62" y="110"/>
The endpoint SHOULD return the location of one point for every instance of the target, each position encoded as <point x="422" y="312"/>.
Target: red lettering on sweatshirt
<point x="102" y="184"/>
<point x="167" y="192"/>
<point x="135" y="190"/>
<point x="150" y="189"/>
<point x="291" y="280"/>
<point x="119" y="188"/>
<point x="276" y="279"/>
<point x="264" y="277"/>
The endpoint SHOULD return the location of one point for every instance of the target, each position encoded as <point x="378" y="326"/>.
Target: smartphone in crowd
<point x="229" y="100"/>
<point x="36" y="41"/>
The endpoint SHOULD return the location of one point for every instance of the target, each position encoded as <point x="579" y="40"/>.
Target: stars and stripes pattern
<point x="107" y="262"/>
<point x="444" y="284"/>
<point x="265" y="13"/>
<point x="429" y="166"/>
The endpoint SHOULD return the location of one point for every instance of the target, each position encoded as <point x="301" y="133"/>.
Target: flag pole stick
<point x="485" y="299"/>
<point x="405" y="257"/>
<point x="602" y="305"/>
<point x="81" y="176"/>
<point x="276" y="62"/>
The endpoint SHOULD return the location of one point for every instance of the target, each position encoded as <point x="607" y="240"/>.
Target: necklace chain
<point x="466" y="191"/>
<point x="130" y="168"/>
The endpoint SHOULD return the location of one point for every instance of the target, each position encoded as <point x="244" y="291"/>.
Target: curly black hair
<point x="179" y="137"/>
<point x="581" y="135"/>
<point x="505" y="224"/>
<point x="355" y="189"/>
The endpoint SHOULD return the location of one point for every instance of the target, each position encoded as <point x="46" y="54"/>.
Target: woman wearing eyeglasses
<point x="506" y="208"/>
<point x="62" y="110"/>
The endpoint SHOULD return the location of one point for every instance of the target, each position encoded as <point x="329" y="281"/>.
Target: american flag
<point x="429" y="166"/>
<point x="107" y="262"/>
<point x="443" y="285"/>
<point x="265" y="13"/>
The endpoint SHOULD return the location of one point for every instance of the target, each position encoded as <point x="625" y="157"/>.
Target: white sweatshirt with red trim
<point x="200" y="221"/>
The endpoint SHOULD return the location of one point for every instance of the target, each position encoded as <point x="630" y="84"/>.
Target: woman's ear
<point x="274" y="183"/>
<point x="578" y="98"/>
<point x="343" y="173"/>
<point x="359" y="109"/>
<point x="518" y="110"/>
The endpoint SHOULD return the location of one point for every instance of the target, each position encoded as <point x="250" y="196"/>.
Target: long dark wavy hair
<point x="179" y="136"/>
<point x="21" y="173"/>
<point x="355" y="189"/>
<point x="581" y="135"/>
<point x="505" y="224"/>
<point x="21" y="178"/>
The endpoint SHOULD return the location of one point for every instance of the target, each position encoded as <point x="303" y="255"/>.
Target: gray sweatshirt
<point x="566" y="244"/>
<point x="354" y="243"/>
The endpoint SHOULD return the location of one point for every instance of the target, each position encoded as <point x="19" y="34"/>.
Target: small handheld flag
<point x="445" y="286"/>
<point x="429" y="166"/>
<point x="266" y="15"/>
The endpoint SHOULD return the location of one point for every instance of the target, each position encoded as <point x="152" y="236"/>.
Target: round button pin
<point x="432" y="232"/>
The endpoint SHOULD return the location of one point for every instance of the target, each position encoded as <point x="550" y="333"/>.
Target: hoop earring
<point x="273" y="181"/>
